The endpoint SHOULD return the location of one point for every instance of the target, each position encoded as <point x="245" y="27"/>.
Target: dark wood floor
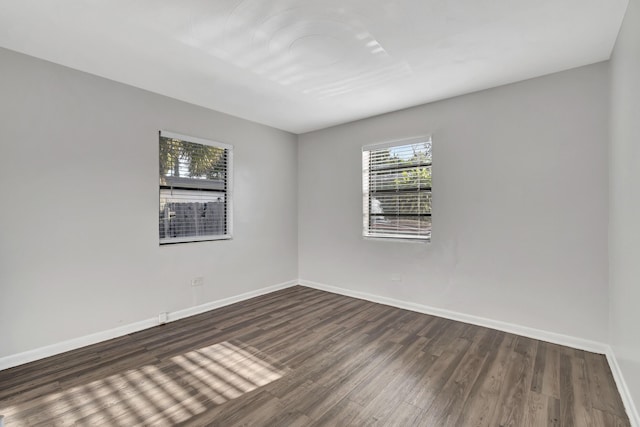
<point x="302" y="357"/>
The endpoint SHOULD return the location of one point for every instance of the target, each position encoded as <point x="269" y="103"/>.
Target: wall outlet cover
<point x="163" y="317"/>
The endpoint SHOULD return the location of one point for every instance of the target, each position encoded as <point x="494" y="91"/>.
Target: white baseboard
<point x="566" y="340"/>
<point x="192" y="311"/>
<point x="625" y="394"/>
<point x="75" y="343"/>
<point x="538" y="334"/>
<point x="579" y="343"/>
<point x="72" y="344"/>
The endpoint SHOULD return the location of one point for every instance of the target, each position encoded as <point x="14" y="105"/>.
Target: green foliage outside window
<point x="190" y="160"/>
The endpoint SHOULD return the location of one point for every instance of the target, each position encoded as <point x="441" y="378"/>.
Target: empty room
<point x="320" y="213"/>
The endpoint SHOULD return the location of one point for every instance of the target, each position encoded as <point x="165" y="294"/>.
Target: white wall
<point x="79" y="246"/>
<point x="624" y="213"/>
<point x="519" y="212"/>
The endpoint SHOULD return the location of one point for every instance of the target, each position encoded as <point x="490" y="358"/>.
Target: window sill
<point x="192" y="239"/>
<point x="398" y="239"/>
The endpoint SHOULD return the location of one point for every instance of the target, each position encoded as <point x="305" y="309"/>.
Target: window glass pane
<point x="194" y="191"/>
<point x="400" y="179"/>
<point x="186" y="159"/>
<point x="403" y="155"/>
<point x="410" y="203"/>
<point x="402" y="227"/>
<point x="397" y="183"/>
<point x="189" y="213"/>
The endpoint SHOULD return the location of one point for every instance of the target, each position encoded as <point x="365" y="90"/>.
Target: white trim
<point x="365" y="192"/>
<point x="230" y="191"/>
<point x="396" y="238"/>
<point x="390" y="144"/>
<point x="188" y="138"/>
<point x="192" y="311"/>
<point x="229" y="194"/>
<point x="623" y="389"/>
<point x="190" y="239"/>
<point x="75" y="343"/>
<point x="366" y="195"/>
<point x="579" y="343"/>
<point x="539" y="334"/>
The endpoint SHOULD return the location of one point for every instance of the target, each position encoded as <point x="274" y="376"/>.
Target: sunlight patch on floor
<point x="170" y="392"/>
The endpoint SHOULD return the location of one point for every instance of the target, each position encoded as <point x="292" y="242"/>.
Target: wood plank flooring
<point x="303" y="357"/>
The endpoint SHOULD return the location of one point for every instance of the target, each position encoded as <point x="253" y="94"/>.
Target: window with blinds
<point x="195" y="189"/>
<point x="396" y="181"/>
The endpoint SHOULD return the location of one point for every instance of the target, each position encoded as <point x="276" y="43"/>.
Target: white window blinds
<point x="396" y="183"/>
<point x="195" y="189"/>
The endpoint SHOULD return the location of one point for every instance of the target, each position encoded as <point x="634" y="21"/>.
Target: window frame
<point x="366" y="215"/>
<point x="228" y="190"/>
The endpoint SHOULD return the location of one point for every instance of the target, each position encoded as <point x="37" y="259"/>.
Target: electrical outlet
<point x="163" y="317"/>
<point x="198" y="281"/>
<point x="396" y="278"/>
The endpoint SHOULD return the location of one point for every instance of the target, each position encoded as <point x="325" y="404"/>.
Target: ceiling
<point x="302" y="65"/>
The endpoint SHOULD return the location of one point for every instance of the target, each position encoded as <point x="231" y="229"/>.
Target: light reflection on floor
<point x="164" y="394"/>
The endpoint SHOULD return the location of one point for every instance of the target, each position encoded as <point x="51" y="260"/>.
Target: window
<point x="195" y="189"/>
<point x="396" y="181"/>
